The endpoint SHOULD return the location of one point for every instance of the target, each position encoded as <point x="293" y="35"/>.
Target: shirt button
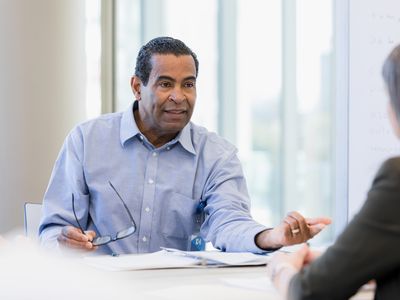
<point x="147" y="209"/>
<point x="144" y="239"/>
<point x="168" y="148"/>
<point x="141" y="137"/>
<point x="151" y="181"/>
<point x="154" y="154"/>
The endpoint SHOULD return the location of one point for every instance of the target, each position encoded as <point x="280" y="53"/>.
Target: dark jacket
<point x="369" y="248"/>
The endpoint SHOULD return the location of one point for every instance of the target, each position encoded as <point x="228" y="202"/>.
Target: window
<point x="127" y="43"/>
<point x="201" y="36"/>
<point x="265" y="83"/>
<point x="93" y="58"/>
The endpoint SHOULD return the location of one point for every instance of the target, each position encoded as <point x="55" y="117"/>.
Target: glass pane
<point x="93" y="58"/>
<point x="127" y="45"/>
<point x="259" y="75"/>
<point x="262" y="124"/>
<point x="314" y="96"/>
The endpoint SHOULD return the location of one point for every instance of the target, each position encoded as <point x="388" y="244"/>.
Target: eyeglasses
<point x="105" y="239"/>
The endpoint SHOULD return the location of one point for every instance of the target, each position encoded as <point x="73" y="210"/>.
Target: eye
<point x="165" y="84"/>
<point x="190" y="84"/>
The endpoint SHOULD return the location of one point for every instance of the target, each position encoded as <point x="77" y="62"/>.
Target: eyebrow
<point x="164" y="77"/>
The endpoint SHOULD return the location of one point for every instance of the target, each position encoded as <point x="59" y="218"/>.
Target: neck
<point x="156" y="138"/>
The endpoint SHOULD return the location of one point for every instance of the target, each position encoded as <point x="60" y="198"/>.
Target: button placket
<point x="148" y="201"/>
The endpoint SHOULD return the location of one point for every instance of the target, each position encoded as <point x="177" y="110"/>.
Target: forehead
<point x="172" y="65"/>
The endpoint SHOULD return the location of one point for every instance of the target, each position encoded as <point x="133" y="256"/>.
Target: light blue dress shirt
<point x="161" y="187"/>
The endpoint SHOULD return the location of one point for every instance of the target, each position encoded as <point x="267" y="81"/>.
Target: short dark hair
<point x="391" y="76"/>
<point x="160" y="45"/>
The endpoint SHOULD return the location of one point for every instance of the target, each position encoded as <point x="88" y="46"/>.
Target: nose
<point x="177" y="95"/>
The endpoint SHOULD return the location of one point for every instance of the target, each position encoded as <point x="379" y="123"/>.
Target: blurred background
<point x="266" y="83"/>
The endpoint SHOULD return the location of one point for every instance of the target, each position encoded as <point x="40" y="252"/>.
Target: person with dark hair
<point x="368" y="247"/>
<point x="146" y="178"/>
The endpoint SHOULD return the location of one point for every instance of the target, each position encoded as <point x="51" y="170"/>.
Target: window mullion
<point x="289" y="107"/>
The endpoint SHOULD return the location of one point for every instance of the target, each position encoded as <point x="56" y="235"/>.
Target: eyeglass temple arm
<point x="76" y="218"/>
<point x="123" y="202"/>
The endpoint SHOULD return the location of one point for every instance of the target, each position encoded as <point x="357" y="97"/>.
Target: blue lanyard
<point x="197" y="243"/>
<point x="200" y="213"/>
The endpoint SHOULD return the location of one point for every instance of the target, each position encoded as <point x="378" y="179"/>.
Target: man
<point x="149" y="178"/>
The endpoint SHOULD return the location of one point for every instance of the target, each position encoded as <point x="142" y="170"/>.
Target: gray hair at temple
<point x="391" y="76"/>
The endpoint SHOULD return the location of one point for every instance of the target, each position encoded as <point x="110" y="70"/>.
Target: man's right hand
<point x="73" y="237"/>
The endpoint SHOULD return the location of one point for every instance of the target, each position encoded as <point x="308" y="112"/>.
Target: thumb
<point x="299" y="256"/>
<point x="303" y="251"/>
<point x="90" y="234"/>
<point x="315" y="229"/>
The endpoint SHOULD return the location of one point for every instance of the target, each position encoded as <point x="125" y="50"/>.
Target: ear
<point x="136" y="86"/>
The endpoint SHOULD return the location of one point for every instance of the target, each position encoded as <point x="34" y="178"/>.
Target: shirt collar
<point x="128" y="125"/>
<point x="185" y="139"/>
<point x="129" y="129"/>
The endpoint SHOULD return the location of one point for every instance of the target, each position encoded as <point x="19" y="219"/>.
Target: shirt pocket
<point x="178" y="216"/>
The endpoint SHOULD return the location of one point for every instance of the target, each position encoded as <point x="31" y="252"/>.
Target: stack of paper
<point x="223" y="258"/>
<point x="173" y="258"/>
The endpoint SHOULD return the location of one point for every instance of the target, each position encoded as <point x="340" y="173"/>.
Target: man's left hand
<point x="294" y="229"/>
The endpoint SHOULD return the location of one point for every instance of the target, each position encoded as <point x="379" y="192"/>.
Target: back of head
<point x="391" y="76"/>
<point x="160" y="45"/>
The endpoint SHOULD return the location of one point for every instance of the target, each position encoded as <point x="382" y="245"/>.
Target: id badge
<point x="196" y="243"/>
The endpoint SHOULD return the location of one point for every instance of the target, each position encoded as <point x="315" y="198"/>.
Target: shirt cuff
<point x="48" y="238"/>
<point x="252" y="243"/>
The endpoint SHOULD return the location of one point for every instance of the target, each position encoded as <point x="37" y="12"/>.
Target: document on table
<point x="173" y="258"/>
<point x="223" y="258"/>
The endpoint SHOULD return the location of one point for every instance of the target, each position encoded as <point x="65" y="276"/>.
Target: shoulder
<point x="98" y="126"/>
<point x="102" y="122"/>
<point x="392" y="163"/>
<point x="389" y="169"/>
<point x="210" y="142"/>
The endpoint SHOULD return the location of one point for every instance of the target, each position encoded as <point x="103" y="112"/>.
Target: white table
<point x="231" y="283"/>
<point x="199" y="283"/>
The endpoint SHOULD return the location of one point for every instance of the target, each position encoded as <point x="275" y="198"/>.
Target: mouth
<point x="175" y="111"/>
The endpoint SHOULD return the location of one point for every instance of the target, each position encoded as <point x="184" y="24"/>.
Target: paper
<point x="173" y="258"/>
<point x="157" y="260"/>
<point x="225" y="258"/>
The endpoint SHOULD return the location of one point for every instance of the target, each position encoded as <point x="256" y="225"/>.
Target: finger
<point x="311" y="256"/>
<point x="292" y="222"/>
<point x="302" y="225"/>
<point x="302" y="251"/>
<point x="71" y="243"/>
<point x="321" y="220"/>
<point x="74" y="233"/>
<point x="299" y="256"/>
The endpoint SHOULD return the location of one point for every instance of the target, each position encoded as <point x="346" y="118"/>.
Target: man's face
<point x="167" y="101"/>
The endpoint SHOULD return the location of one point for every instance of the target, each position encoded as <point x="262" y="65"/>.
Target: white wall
<point x="374" y="32"/>
<point x="42" y="95"/>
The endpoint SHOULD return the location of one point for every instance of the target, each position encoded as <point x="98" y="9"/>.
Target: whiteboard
<point x="374" y="30"/>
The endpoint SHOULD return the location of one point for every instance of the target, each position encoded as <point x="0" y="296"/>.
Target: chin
<point x="173" y="129"/>
<point x="174" y="126"/>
